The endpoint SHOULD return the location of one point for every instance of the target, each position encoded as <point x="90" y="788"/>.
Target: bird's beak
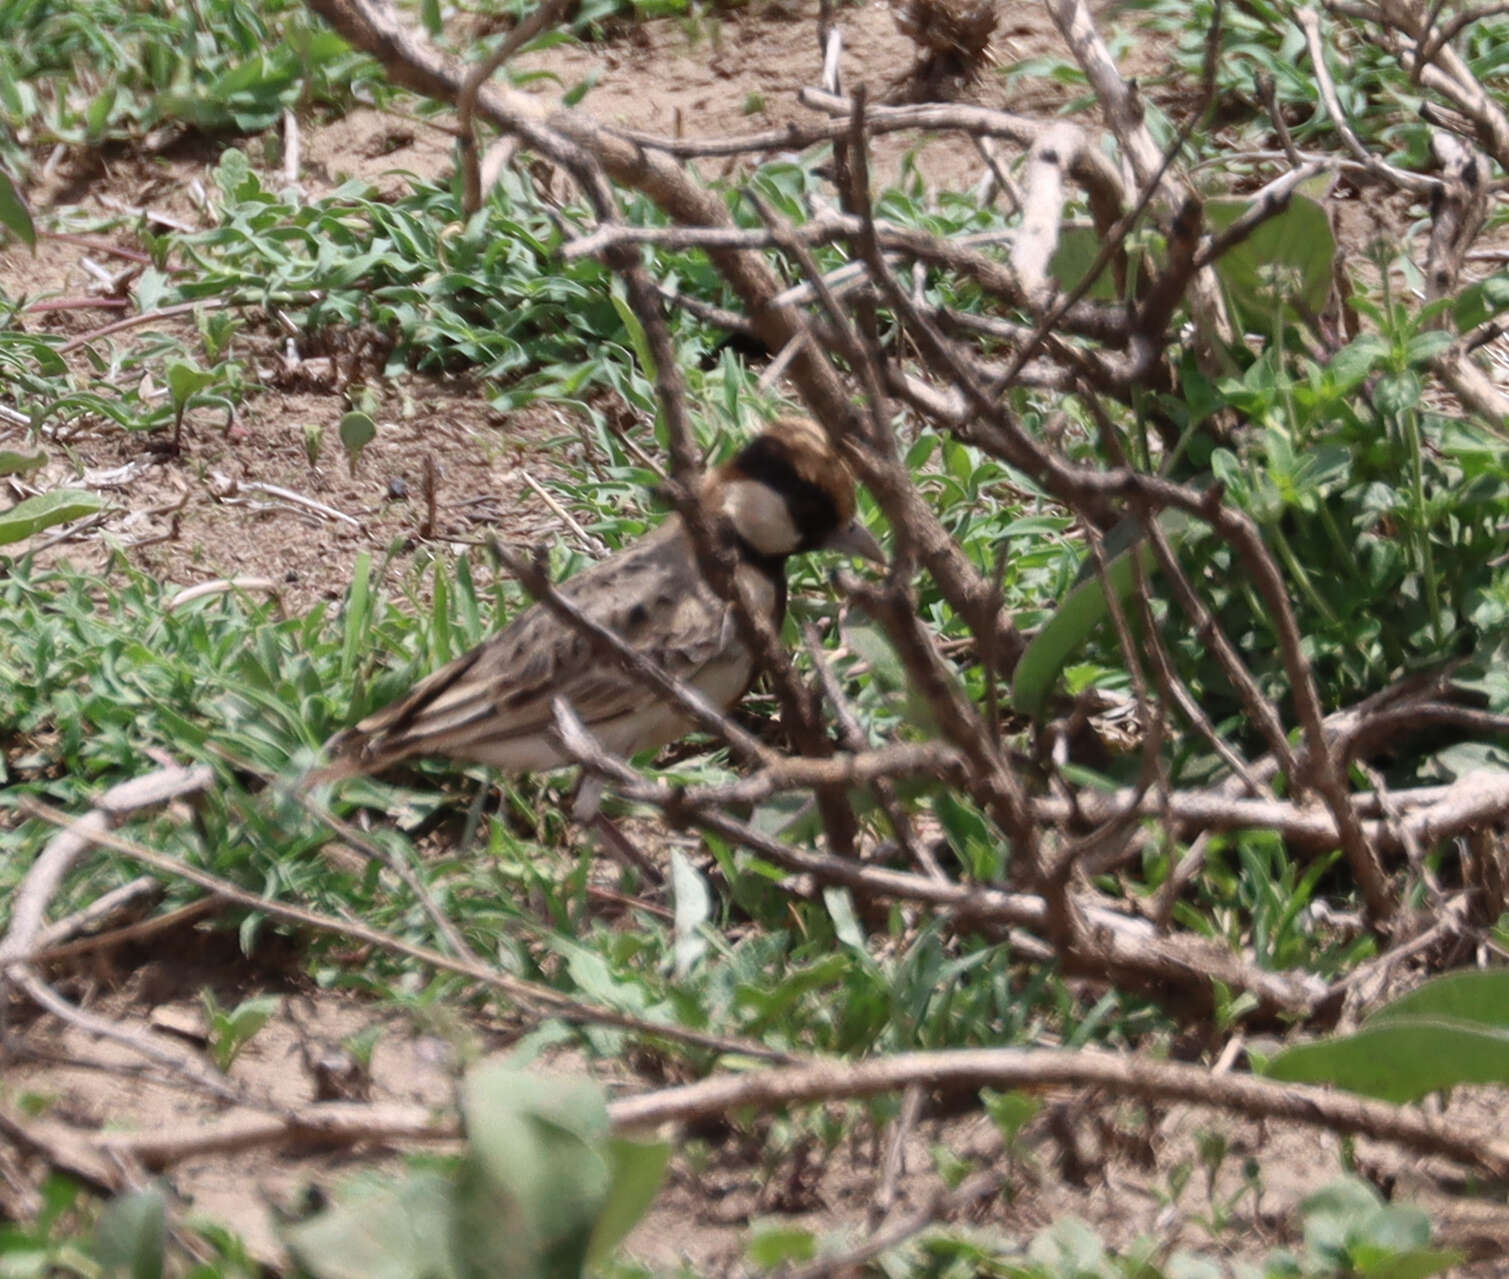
<point x="856" y="539"/>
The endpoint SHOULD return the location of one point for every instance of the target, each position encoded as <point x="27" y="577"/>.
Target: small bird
<point x="786" y="492"/>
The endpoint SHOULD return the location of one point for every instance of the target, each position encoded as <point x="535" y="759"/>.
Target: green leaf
<point x="1350" y="365"/>
<point x="638" y="1169"/>
<point x="37" y="513"/>
<point x="1349" y="1228"/>
<point x="1081" y="611"/>
<point x="236" y="1028"/>
<point x="151" y="286"/>
<point x="1010" y="1111"/>
<point x="1078" y="247"/>
<point x="1400" y="1060"/>
<point x="868" y="641"/>
<point x="14" y="215"/>
<point x="693" y="909"/>
<point x="98" y="113"/>
<point x="1412" y="1263"/>
<point x="581" y="88"/>
<point x="778" y="1244"/>
<point x="1424" y="347"/>
<point x="402" y="1232"/>
<point x="131" y="1233"/>
<point x="13" y="463"/>
<point x="1069" y="1246"/>
<point x="1286" y="261"/>
<point x="1184" y="1265"/>
<point x="357" y="430"/>
<point x="637" y="336"/>
<point x="1477" y="997"/>
<point x="978" y="848"/>
<point x="357" y="613"/>
<point x="1480" y="302"/>
<point x="1396" y="393"/>
<point x="840" y="904"/>
<point x="537" y="1175"/>
<point x="186" y="380"/>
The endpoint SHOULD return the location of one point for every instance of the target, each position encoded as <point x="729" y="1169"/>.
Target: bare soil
<point x="1129" y="1171"/>
<point x="193" y="517"/>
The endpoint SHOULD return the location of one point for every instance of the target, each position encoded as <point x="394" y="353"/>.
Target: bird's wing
<point x="493" y="704"/>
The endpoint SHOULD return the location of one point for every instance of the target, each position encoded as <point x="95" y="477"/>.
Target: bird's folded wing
<point x="493" y="704"/>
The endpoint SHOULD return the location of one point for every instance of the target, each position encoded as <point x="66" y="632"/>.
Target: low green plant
<point x="231" y="1029"/>
<point x="15" y="217"/>
<point x="357" y="430"/>
<point x="105" y="71"/>
<point x="73" y="1234"/>
<point x="131" y="1234"/>
<point x="543" y="1191"/>
<point x="54" y="1238"/>
<point x="1347" y="1230"/>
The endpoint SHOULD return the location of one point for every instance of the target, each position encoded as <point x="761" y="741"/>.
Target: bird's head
<point x="788" y="491"/>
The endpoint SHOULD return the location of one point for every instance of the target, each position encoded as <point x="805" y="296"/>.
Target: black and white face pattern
<point x="776" y="503"/>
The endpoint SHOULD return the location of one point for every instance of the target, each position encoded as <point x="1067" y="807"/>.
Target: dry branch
<point x="1123" y="110"/>
<point x="1110" y="944"/>
<point x="345" y="1123"/>
<point x="1390" y="175"/>
<point x="1100" y="321"/>
<point x="41" y="885"/>
<point x="1124" y="1076"/>
<point x="527" y="993"/>
<point x="523" y="32"/>
<point x="1043" y="197"/>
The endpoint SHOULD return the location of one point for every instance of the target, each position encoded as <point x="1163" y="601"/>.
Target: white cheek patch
<point x="761" y="517"/>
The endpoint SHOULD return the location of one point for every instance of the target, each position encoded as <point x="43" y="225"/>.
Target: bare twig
<point x="221" y="586"/>
<point x="529" y="993"/>
<point x="1119" y="1075"/>
<point x="172" y="312"/>
<point x="524" y="31"/>
<point x="1267" y="90"/>
<point x="940" y="1206"/>
<point x="291" y="160"/>
<point x="332" y="1123"/>
<point x="226" y="488"/>
<point x="49" y="952"/>
<point x="1417" y="184"/>
<point x="592" y="545"/>
<point x="103" y="908"/>
<point x="1110" y="942"/>
<point x="42" y="883"/>
<point x="1043" y="196"/>
<point x="895" y="1155"/>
